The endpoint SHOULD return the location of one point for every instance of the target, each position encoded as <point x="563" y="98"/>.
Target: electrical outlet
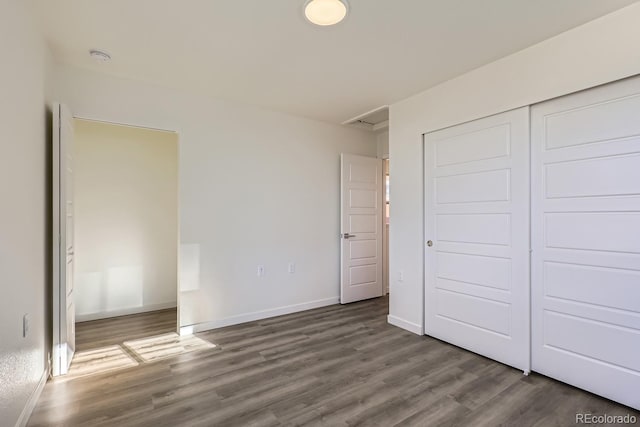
<point x="25" y="325"/>
<point x="401" y="276"/>
<point x="292" y="268"/>
<point x="260" y="270"/>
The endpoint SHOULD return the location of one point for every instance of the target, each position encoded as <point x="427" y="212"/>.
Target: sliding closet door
<point x="586" y="240"/>
<point x="477" y="236"/>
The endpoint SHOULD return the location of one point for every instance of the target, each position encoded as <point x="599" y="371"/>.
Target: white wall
<point x="595" y="53"/>
<point x="126" y="219"/>
<point x="24" y="217"/>
<point x="256" y="188"/>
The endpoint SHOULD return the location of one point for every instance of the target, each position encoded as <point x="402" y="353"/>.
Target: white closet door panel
<point x="488" y="186"/>
<point x="592" y="122"/>
<point x="607" y="231"/>
<point x="582" y="283"/>
<point x="474" y="145"/>
<point x="479" y="270"/>
<point x="586" y="240"/>
<point x="477" y="218"/>
<point x="482" y="228"/>
<point x="603" y="176"/>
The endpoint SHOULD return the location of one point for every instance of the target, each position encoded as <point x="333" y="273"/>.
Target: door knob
<point x="429" y="243"/>
<point x="348" y="236"/>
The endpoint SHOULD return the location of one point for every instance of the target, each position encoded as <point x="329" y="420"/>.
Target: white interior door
<point x="477" y="236"/>
<point x="586" y="240"/>
<point x="63" y="248"/>
<point x="361" y="228"/>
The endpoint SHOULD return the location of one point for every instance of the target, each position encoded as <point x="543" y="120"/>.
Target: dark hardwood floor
<point x="334" y="366"/>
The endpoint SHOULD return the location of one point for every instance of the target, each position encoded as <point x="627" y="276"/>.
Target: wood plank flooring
<point x="116" y="330"/>
<point x="333" y="366"/>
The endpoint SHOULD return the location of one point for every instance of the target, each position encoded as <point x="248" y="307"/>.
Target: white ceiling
<point x="263" y="52"/>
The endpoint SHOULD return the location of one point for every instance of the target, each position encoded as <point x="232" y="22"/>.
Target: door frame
<point x="59" y="351"/>
<point x="56" y="189"/>
<point x="386" y="277"/>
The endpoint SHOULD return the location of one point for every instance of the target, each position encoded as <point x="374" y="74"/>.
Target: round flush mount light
<point x="99" y="55"/>
<point x="325" y="12"/>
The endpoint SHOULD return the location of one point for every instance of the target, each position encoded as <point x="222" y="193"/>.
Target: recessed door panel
<point x="599" y="177"/>
<point x="483" y="228"/>
<point x="489" y="186"/>
<point x="363" y="198"/>
<point x="481" y="270"/>
<point x="482" y="314"/>
<point x="597" y="122"/>
<point x="478" y="144"/>
<point x="363" y="223"/>
<point x="363" y="249"/>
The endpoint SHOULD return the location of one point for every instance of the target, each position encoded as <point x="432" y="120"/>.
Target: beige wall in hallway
<point x="126" y="195"/>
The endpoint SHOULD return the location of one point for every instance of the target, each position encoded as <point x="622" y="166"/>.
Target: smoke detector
<point x="99" y="55"/>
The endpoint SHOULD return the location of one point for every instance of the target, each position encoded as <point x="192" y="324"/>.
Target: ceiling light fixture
<point x="325" y="12"/>
<point x="99" y="55"/>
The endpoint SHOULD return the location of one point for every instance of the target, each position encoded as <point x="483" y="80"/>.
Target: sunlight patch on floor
<point x="167" y="345"/>
<point x="99" y="360"/>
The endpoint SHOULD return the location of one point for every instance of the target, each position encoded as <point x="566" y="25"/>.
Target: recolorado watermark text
<point x="584" y="418"/>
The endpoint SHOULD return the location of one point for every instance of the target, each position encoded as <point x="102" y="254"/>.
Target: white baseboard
<point x="124" y="312"/>
<point x="257" y="315"/>
<point x="33" y="400"/>
<point x="404" y="324"/>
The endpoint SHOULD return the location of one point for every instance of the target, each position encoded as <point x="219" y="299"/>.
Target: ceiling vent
<point x="374" y="120"/>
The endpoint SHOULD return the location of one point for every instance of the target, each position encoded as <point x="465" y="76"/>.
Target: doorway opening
<point x="126" y="240"/>
<point x="364" y="214"/>
<point x="118" y="190"/>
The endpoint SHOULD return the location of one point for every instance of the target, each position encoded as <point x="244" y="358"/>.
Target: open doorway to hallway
<point x="365" y="213"/>
<point x="125" y="232"/>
